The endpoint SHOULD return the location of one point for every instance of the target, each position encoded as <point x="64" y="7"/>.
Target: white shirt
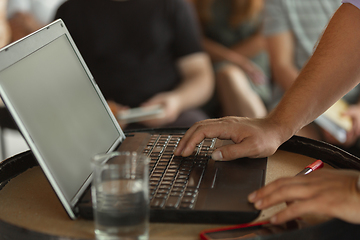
<point x="43" y="10"/>
<point x="356" y="3"/>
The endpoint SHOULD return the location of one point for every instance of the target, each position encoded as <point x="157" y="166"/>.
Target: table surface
<point x="29" y="202"/>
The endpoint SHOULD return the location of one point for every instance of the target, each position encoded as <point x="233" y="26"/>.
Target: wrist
<point x="283" y="126"/>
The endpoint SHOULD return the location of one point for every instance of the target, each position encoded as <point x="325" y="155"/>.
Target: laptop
<point x="65" y="120"/>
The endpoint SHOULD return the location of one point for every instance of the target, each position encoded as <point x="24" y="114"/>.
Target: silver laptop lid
<point x="58" y="107"/>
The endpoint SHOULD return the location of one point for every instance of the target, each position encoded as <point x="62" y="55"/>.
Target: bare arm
<point x="197" y="80"/>
<point x="239" y="52"/>
<point x="330" y="73"/>
<point x="194" y="90"/>
<point x="281" y="51"/>
<point x="219" y="52"/>
<point x="251" y="46"/>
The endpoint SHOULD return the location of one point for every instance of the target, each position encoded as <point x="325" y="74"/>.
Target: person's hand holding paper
<point x="170" y="106"/>
<point x="126" y="115"/>
<point x="346" y="119"/>
<point x="353" y="134"/>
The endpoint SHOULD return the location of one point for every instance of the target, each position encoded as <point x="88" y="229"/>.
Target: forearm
<point x="251" y="46"/>
<point x="330" y="73"/>
<point x="281" y="48"/>
<point x="219" y="52"/>
<point x="284" y="75"/>
<point x="197" y="84"/>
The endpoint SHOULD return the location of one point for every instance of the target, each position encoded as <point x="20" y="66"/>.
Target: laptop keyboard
<point x="174" y="181"/>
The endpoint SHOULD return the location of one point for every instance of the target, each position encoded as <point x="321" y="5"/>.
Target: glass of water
<point x="120" y="196"/>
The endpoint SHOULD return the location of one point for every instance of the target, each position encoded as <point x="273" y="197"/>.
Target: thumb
<point x="244" y="149"/>
<point x="227" y="153"/>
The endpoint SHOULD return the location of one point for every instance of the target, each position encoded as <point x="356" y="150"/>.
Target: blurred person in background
<point x="232" y="35"/>
<point x="27" y="16"/>
<point x="330" y="73"/>
<point x="144" y="53"/>
<point x="292" y="29"/>
<point x="5" y="32"/>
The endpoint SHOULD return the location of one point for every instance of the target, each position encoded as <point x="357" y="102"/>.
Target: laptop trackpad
<point x="233" y="182"/>
<point x="236" y="178"/>
<point x="235" y="174"/>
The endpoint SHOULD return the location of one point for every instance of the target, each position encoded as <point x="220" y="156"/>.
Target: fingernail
<point x="258" y="204"/>
<point x="217" y="155"/>
<point x="251" y="197"/>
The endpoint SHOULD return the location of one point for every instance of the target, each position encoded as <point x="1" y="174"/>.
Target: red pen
<point x="311" y="167"/>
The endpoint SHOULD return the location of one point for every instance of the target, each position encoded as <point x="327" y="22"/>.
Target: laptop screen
<point x="61" y="114"/>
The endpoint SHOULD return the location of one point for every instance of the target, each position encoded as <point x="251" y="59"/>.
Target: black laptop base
<point x="220" y="197"/>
